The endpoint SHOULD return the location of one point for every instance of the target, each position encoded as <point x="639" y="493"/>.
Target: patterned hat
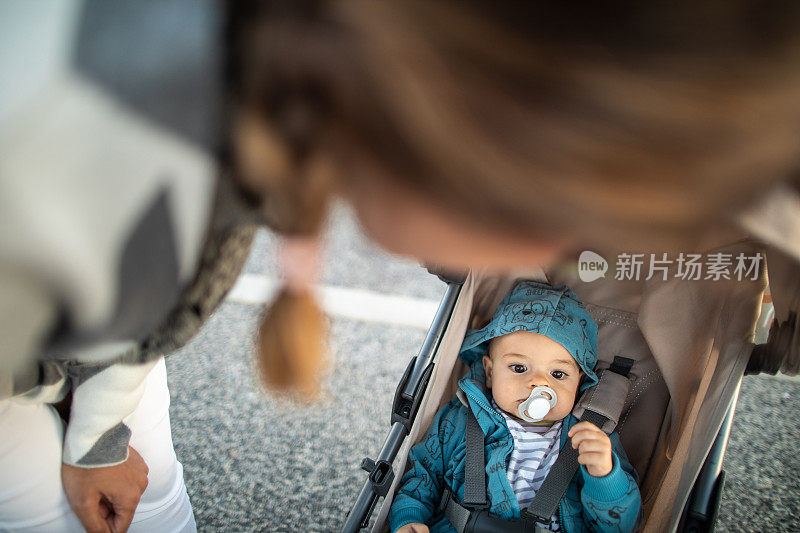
<point x="554" y="312"/>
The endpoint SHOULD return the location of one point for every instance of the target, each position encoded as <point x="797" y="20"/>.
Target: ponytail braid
<point x="278" y="130"/>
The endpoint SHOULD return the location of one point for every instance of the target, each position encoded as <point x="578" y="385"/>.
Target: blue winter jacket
<point x="610" y="503"/>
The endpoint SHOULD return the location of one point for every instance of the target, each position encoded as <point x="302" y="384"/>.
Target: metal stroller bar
<point x="700" y="512"/>
<point x="406" y="403"/>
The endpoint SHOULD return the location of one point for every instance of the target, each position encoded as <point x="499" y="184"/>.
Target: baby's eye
<point x="558" y="374"/>
<point x="518" y="369"/>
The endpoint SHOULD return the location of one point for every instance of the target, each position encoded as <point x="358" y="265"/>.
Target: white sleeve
<point x="103" y="397"/>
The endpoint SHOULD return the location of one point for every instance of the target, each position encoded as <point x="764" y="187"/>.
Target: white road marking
<point x="356" y="304"/>
<point x="360" y="304"/>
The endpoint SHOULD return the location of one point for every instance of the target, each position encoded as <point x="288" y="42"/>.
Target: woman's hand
<point x="105" y="498"/>
<point x="594" y="448"/>
<point x="414" y="528"/>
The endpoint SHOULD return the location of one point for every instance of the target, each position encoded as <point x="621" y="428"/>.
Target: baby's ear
<point x="487" y="368"/>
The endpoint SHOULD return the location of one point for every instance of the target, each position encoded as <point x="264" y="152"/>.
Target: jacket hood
<point x="555" y="312"/>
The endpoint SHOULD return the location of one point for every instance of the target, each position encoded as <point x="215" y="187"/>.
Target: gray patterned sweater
<point x="117" y="236"/>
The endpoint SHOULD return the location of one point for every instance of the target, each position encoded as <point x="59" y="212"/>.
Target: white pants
<point x="31" y="496"/>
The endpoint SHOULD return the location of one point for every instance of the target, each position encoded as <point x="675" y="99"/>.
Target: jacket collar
<point x="473" y="394"/>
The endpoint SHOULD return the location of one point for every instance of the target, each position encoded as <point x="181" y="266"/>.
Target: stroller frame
<point x="406" y="403"/>
<point x="699" y="512"/>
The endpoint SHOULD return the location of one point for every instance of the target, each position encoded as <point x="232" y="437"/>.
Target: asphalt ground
<point x="253" y="462"/>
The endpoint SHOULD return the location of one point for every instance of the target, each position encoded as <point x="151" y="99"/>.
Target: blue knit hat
<point x="554" y="312"/>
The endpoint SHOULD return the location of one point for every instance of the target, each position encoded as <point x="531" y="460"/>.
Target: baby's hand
<point x="413" y="528"/>
<point x="594" y="448"/>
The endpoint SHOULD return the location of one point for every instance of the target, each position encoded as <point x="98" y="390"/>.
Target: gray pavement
<point x="256" y="463"/>
<point x="762" y="487"/>
<point x="253" y="463"/>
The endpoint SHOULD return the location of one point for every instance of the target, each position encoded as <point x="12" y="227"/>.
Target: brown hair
<point x="620" y="123"/>
<point x="610" y="120"/>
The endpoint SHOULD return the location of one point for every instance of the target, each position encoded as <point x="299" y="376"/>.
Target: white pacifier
<point x="538" y="404"/>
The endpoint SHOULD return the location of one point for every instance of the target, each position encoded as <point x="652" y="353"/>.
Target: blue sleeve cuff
<point x="608" y="488"/>
<point x="404" y="515"/>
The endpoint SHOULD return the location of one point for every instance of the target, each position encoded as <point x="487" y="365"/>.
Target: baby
<point x="540" y="336"/>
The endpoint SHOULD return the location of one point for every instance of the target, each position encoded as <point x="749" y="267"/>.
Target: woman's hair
<point x="607" y="121"/>
<point x="621" y="125"/>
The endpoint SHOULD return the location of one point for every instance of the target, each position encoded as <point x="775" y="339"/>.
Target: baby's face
<point x="522" y="360"/>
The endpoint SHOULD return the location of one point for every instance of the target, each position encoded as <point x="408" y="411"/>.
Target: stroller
<point x="691" y="342"/>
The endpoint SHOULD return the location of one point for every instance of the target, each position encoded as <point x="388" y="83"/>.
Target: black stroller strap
<point x="458" y="515"/>
<point x="622" y="365"/>
<point x="474" y="480"/>
<point x="475" y="467"/>
<point x="555" y="485"/>
<point x="472" y="515"/>
<point x="465" y="520"/>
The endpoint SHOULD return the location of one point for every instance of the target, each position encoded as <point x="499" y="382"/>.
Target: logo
<point x="687" y="266"/>
<point x="591" y="266"/>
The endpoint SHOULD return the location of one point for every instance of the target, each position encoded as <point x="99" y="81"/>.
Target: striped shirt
<point x="535" y="451"/>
